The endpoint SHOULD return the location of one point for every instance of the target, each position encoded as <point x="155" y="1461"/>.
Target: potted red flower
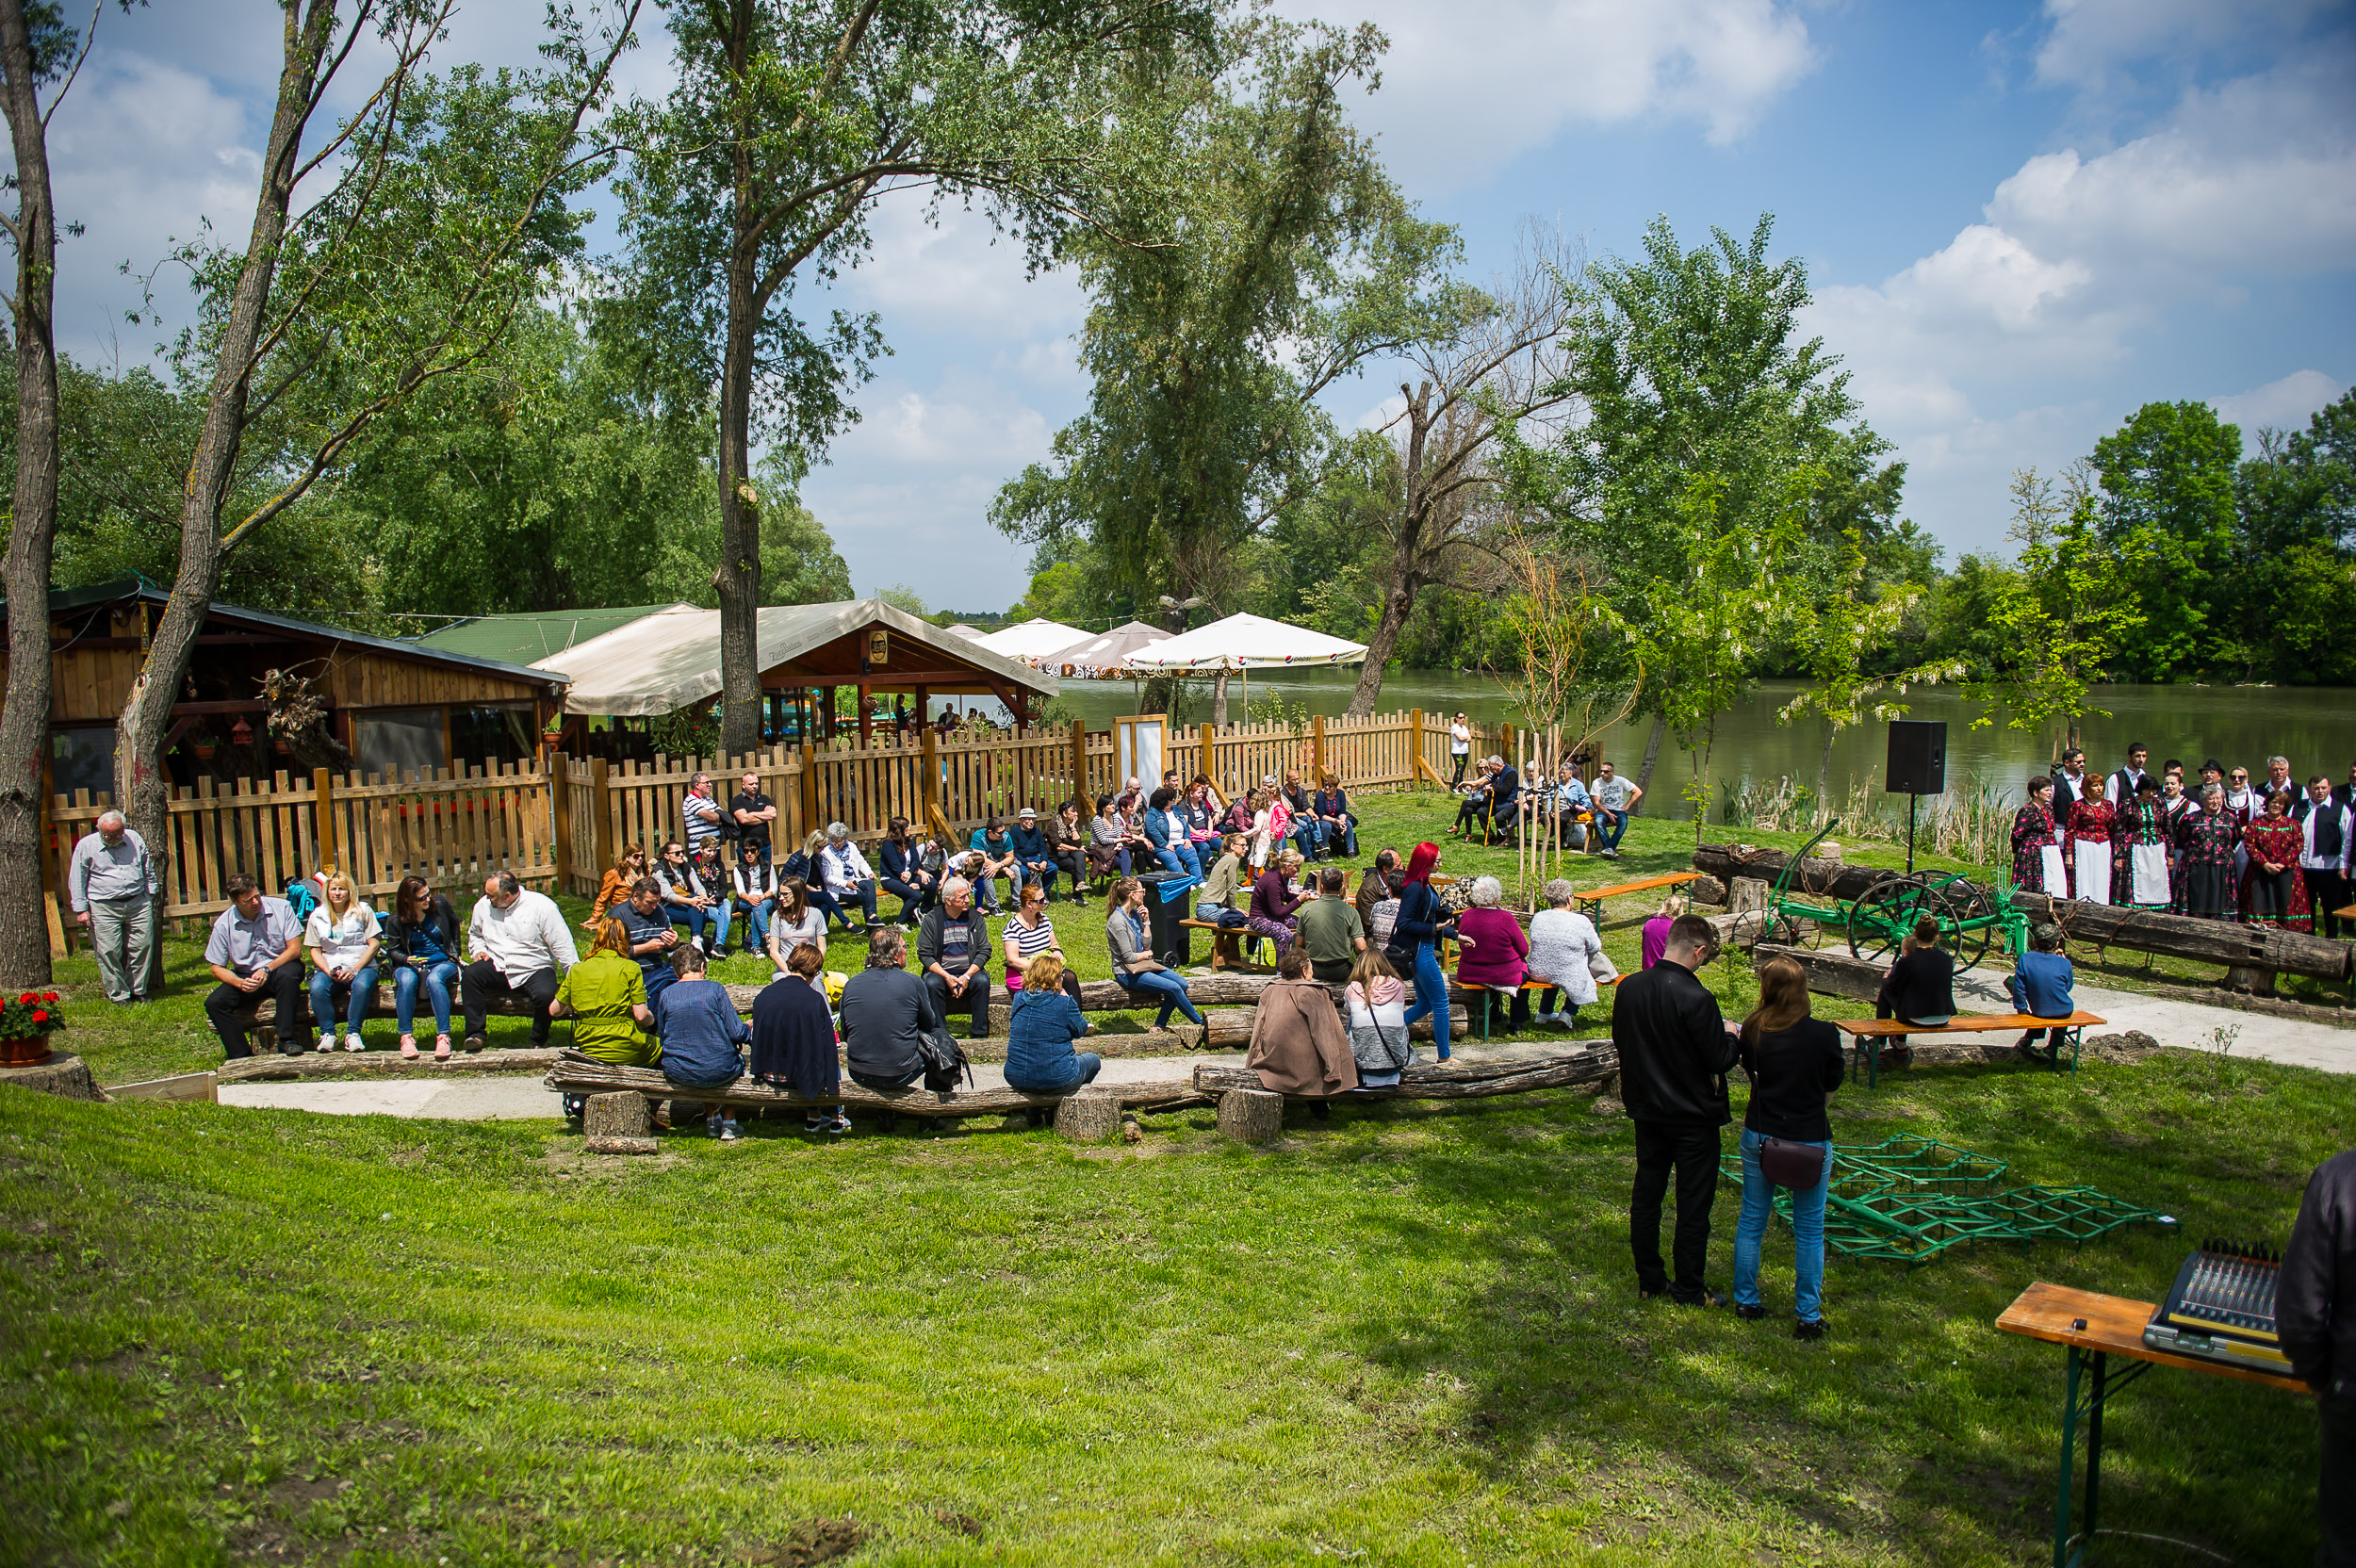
<point x="26" y="1021"/>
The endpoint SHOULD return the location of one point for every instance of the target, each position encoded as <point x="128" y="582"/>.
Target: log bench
<point x="1586" y="1062"/>
<point x="576" y="1074"/>
<point x="1590" y="903"/>
<point x="1867" y="1034"/>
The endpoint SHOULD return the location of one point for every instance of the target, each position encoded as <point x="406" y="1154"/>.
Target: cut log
<point x="621" y="1146"/>
<point x="1820" y="877"/>
<point x="273" y="1067"/>
<point x="1586" y="1063"/>
<point x="1706" y="889"/>
<point x="1251" y="1113"/>
<point x="2216" y="941"/>
<point x="1828" y="972"/>
<point x="1746" y="895"/>
<point x="617" y="1116"/>
<point x="1091" y="1116"/>
<point x="573" y="1073"/>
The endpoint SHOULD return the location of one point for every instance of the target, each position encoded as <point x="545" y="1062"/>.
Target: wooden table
<point x="2094" y="1329"/>
<point x="1590" y="903"/>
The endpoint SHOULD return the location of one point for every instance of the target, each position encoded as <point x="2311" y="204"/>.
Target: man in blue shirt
<point x="255" y="951"/>
<point x="652" y="938"/>
<point x="2040" y="986"/>
<point x="1031" y="854"/>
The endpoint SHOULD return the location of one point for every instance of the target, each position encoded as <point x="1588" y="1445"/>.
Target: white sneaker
<point x="327" y="1041"/>
<point x="351" y="1042"/>
<point x="702" y="945"/>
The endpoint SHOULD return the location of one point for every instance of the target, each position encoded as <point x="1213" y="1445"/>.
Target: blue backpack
<point x="303" y="895"/>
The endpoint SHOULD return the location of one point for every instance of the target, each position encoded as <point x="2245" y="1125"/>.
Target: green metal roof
<point x="526" y="639"/>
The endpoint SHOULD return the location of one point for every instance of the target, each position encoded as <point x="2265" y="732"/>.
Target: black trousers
<point x="285" y="989"/>
<point x="1693" y="1153"/>
<point x="2335" y="1502"/>
<point x="478" y="982"/>
<point x="2327" y="890"/>
<point x="975" y="1001"/>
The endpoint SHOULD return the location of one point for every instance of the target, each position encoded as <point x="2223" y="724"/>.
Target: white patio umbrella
<point x="1246" y="643"/>
<point x="1109" y="650"/>
<point x="1032" y="639"/>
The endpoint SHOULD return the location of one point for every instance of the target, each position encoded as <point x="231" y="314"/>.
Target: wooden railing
<point x="563" y="826"/>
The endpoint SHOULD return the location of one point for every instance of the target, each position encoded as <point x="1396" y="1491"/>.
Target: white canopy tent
<point x="1108" y="652"/>
<point x="1246" y="643"/>
<point x="1031" y="639"/>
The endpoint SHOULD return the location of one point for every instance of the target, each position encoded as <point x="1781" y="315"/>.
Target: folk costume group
<point x="2275" y="854"/>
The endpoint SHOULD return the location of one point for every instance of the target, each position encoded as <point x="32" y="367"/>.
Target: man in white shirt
<point x="518" y="944"/>
<point x="2327" y="837"/>
<point x="1615" y="801"/>
<point x="849" y="877"/>
<point x="1458" y="750"/>
<point x="2120" y="789"/>
<point x="255" y="951"/>
<point x="112" y="885"/>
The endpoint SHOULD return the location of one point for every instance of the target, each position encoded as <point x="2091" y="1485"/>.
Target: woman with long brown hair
<point x="421" y="948"/>
<point x="1794" y="1062"/>
<point x="614" y="891"/>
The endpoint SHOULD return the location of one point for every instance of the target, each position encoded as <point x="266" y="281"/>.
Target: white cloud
<point x="1466" y="88"/>
<point x="2091" y="40"/>
<point x="951" y="279"/>
<point x="2282" y="404"/>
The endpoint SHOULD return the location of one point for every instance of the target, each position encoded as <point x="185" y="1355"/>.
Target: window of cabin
<point x="396" y="743"/>
<point x="83" y="759"/>
<point x="486" y="737"/>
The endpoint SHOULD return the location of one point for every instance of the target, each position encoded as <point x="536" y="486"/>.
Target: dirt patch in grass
<point x="812" y="1541"/>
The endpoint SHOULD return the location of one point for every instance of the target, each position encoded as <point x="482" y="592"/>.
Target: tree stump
<point x="1706" y="889"/>
<point x="1090" y="1116"/>
<point x="65" y="1076"/>
<point x="1252" y="1116"/>
<point x="617" y="1116"/>
<point x="1746" y="893"/>
<point x="620" y="1146"/>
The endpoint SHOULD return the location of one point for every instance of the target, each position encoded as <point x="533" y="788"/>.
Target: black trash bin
<point x="1164" y="934"/>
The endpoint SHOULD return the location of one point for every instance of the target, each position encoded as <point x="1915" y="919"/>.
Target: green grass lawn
<point x="1408" y="1335"/>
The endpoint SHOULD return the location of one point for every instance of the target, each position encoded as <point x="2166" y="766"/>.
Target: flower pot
<point x="24" y="1051"/>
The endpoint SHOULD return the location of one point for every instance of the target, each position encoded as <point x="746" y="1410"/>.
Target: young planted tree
<point x="1837" y="634"/>
<point x="760" y="170"/>
<point x="1290" y="261"/>
<point x="35" y="47"/>
<point x="2061" y="619"/>
<point x="442" y="217"/>
<point x="1492" y="360"/>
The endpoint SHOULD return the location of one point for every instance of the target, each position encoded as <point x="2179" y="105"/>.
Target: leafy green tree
<point x="1291" y="261"/>
<point x="757" y="173"/>
<point x="2060" y="620"/>
<point x="2296" y="501"/>
<point x="901" y="597"/>
<point x="1837" y="636"/>
<point x="2168" y="505"/>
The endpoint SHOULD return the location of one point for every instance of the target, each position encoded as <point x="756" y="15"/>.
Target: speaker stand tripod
<point x="1911" y="799"/>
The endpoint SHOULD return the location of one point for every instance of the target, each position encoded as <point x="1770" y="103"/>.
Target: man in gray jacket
<point x="112" y="885"/>
<point x="953" y="950"/>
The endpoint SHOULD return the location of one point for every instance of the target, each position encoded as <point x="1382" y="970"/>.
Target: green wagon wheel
<point x="1879" y="920"/>
<point x="1971" y="922"/>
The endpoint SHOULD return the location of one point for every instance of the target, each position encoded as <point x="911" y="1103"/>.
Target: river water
<point x="2314" y="726"/>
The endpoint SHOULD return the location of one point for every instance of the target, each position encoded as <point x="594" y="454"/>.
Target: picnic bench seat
<point x="1488" y="992"/>
<point x="1590" y="903"/>
<point x="1867" y="1034"/>
<point x="1226" y="943"/>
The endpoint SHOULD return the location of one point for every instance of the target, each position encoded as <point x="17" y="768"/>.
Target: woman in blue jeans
<point x="421" y="948"/>
<point x="1134" y="965"/>
<point x="1794" y="1062"/>
<point x="1423" y="920"/>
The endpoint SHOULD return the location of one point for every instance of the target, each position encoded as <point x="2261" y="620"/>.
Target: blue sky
<point x="2020" y="220"/>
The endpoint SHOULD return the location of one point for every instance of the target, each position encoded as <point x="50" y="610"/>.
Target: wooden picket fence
<point x="562" y="824"/>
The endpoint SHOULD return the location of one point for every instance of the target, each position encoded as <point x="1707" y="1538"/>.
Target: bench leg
<point x="2075" y="1036"/>
<point x="1873" y="1044"/>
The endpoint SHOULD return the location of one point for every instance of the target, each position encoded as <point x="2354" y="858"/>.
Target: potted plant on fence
<point x="26" y="1021"/>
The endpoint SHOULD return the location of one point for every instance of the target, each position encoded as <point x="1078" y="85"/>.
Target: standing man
<point x="1675" y="1051"/>
<point x="518" y="944"/>
<point x="2071" y="785"/>
<point x="2346" y="794"/>
<point x="2315" y="1314"/>
<point x="2327" y="833"/>
<point x="701" y="813"/>
<point x="255" y="951"/>
<point x="953" y="950"/>
<point x="112" y="885"/>
<point x="753" y="812"/>
<point x="1459" y="749"/>
<point x="1615" y="801"/>
<point x="2120" y="789"/>
<point x="2277" y="780"/>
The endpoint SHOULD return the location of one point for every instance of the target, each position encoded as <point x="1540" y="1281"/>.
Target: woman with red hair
<point x="1423" y="920"/>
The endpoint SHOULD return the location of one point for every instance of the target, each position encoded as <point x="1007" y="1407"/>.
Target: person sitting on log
<point x="1274" y="903"/>
<point x="1216" y="904"/>
<point x="2040" y="986"/>
<point x="1329" y="930"/>
<point x="1920" y="987"/>
<point x="1145" y="977"/>
<point x="255" y="950"/>
<point x="793" y="1043"/>
<point x="953" y="952"/>
<point x="702" y="1038"/>
<point x="1297" y="1046"/>
<point x="1377" y="1000"/>
<point x="885" y="1011"/>
<point x="1028" y="935"/>
<point x="1496" y="958"/>
<point x="605" y="996"/>
<point x="518" y="944"/>
<point x="1041" y="1059"/>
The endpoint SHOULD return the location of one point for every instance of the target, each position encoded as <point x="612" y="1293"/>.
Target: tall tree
<point x="2168" y="505"/>
<point x="1837" y="636"/>
<point x="441" y="221"/>
<point x="758" y="172"/>
<point x="35" y="47"/>
<point x="1291" y="261"/>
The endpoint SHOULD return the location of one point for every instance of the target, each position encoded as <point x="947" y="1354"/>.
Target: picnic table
<point x="1591" y="901"/>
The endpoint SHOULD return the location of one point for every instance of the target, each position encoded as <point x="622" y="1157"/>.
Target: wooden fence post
<point x="1210" y="755"/>
<point x="809" y="786"/>
<point x="600" y="817"/>
<point x="560" y="817"/>
<point x="1414" y="748"/>
<point x="323" y="819"/>
<point x="790" y="796"/>
<point x="1080" y="765"/>
<point x="1317" y="743"/>
<point x="928" y="769"/>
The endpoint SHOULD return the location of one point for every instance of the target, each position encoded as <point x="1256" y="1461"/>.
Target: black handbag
<point x="945" y="1065"/>
<point x="1797" y="1166"/>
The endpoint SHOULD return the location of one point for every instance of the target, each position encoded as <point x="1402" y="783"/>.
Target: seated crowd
<point x="1497" y="804"/>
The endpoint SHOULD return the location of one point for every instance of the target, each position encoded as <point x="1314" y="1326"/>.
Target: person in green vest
<point x="605" y="996"/>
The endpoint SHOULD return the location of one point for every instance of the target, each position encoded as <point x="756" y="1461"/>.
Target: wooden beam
<point x="1590" y="1062"/>
<point x="578" y="1074"/>
<point x="560" y="817"/>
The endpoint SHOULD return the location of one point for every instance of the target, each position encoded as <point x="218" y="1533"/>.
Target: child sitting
<point x="2040" y="988"/>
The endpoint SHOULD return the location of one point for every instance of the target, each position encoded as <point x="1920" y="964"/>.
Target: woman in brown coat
<point x="1297" y="1046"/>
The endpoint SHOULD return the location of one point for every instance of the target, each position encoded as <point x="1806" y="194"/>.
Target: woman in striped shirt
<point x="1030" y="933"/>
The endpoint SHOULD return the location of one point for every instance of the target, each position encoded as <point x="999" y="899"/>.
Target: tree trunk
<point x="1398" y="604"/>
<point x="1652" y="753"/>
<point x="1219" y="700"/>
<point x="738" y="575"/>
<point x="142" y="789"/>
<point x="1823" y="765"/>
<point x="24" y="719"/>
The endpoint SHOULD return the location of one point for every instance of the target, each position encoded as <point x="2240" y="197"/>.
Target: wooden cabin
<point x="391" y="707"/>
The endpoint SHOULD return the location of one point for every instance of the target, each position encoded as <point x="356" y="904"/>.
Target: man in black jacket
<point x="2315" y="1312"/>
<point x="952" y="950"/>
<point x="1675" y="1053"/>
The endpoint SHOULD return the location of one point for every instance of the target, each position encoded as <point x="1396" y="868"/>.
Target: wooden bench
<point x="1867" y="1034"/>
<point x="1488" y="992"/>
<point x="1591" y="901"/>
<point x="1226" y="944"/>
